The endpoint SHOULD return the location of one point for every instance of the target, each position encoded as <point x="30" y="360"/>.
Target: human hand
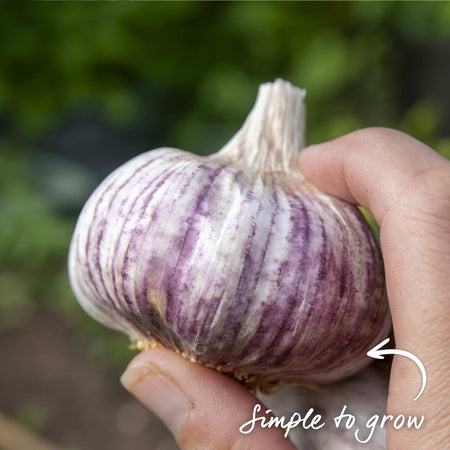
<point x="406" y="186"/>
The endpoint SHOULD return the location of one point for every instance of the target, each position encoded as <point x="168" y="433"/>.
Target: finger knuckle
<point x="379" y="135"/>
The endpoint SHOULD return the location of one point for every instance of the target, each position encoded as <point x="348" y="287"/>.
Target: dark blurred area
<point x="86" y="86"/>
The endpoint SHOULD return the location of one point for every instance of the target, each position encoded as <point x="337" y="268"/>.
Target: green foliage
<point x="197" y="65"/>
<point x="209" y="58"/>
<point x="32" y="236"/>
<point x="33" y="242"/>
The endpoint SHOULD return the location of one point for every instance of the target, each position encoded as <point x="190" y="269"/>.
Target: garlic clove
<point x="235" y="260"/>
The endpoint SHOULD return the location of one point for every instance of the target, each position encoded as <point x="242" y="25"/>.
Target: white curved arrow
<point x="378" y="354"/>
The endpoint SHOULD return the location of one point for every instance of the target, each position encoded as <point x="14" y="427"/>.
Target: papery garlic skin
<point x="234" y="260"/>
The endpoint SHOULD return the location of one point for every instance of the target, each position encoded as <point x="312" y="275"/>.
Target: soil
<point x="47" y="380"/>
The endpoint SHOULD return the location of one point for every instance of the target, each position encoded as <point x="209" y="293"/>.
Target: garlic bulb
<point x="234" y="260"/>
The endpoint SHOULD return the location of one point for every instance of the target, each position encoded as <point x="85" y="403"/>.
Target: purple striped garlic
<point x="235" y="260"/>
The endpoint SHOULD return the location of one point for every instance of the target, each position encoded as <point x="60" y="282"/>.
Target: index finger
<point x="377" y="168"/>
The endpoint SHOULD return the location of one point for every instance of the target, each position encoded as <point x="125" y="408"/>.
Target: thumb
<point x="201" y="407"/>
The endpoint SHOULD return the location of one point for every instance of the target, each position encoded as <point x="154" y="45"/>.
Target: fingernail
<point x="158" y="393"/>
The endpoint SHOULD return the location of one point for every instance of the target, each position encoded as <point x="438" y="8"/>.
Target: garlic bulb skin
<point x="234" y="260"/>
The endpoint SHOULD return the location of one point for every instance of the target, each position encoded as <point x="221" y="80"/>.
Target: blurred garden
<point x="86" y="86"/>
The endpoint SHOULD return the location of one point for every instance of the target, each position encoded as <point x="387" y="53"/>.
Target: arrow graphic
<point x="378" y="354"/>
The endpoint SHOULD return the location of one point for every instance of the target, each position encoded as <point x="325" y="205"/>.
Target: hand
<point x="406" y="186"/>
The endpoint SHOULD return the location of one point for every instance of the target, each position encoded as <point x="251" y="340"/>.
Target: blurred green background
<point x="86" y="86"/>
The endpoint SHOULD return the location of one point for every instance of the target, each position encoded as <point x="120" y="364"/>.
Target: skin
<point x="406" y="186"/>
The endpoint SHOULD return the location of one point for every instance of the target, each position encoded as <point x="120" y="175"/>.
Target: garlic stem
<point x="273" y="133"/>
